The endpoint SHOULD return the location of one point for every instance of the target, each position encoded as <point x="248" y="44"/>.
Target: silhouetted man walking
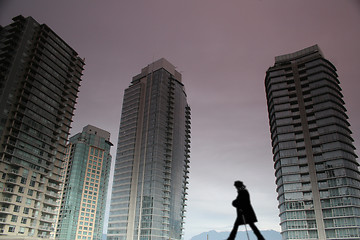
<point x="245" y="212"/>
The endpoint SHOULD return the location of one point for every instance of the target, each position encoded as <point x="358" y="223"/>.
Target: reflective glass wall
<point x="151" y="170"/>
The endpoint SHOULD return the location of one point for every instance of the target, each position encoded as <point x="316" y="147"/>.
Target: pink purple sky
<point x="223" y="49"/>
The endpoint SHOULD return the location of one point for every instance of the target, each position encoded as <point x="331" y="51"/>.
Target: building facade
<point x="151" y="170"/>
<point x="39" y="79"/>
<point x="315" y="164"/>
<point x="86" y="172"/>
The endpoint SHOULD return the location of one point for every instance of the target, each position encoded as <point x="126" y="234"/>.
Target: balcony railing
<point x="48" y="201"/>
<point x="44" y="227"/>
<point x="15" y="171"/>
<point x="53" y="185"/>
<point x="53" y="194"/>
<point x="47" y="219"/>
<point x="6" y="199"/>
<point x="8" y="189"/>
<point x="49" y="210"/>
<point x="11" y="180"/>
<point x="4" y="209"/>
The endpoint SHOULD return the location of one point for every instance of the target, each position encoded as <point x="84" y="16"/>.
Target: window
<point x="23" y="220"/>
<point x="14" y="218"/>
<point x="23" y="180"/>
<point x="11" y="228"/>
<point x="18" y="199"/>
<point x="21" y="230"/>
<point x="30" y="192"/>
<point x="16" y="208"/>
<point x="26" y="210"/>
<point x="32" y="183"/>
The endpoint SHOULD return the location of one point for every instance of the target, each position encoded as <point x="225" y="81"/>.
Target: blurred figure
<point x="245" y="212"/>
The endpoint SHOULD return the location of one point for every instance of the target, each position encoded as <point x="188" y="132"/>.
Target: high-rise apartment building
<point x="87" y="168"/>
<point x="151" y="170"/>
<point x="39" y="79"/>
<point x="317" y="173"/>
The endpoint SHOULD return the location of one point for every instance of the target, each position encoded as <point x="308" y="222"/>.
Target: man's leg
<point x="234" y="231"/>
<point x="256" y="231"/>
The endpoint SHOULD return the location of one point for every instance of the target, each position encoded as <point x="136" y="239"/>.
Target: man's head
<point x="239" y="184"/>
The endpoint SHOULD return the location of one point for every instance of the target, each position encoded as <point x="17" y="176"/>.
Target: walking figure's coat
<point x="245" y="212"/>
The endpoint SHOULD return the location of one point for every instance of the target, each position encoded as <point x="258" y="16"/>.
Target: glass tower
<point x="39" y="79"/>
<point x="315" y="165"/>
<point x="152" y="161"/>
<point x="86" y="171"/>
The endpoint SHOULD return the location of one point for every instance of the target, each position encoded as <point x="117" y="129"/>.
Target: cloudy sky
<point x="223" y="49"/>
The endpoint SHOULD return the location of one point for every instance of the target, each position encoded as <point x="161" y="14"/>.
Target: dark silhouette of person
<point x="245" y="212"/>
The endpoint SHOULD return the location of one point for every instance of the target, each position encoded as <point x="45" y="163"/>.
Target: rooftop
<point x="161" y="63"/>
<point x="299" y="54"/>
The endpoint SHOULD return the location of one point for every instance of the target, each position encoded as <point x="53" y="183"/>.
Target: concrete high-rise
<point x="87" y="169"/>
<point x="315" y="164"/>
<point x="151" y="170"/>
<point x="39" y="79"/>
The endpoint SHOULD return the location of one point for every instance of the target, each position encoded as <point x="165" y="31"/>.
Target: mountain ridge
<point x="241" y="235"/>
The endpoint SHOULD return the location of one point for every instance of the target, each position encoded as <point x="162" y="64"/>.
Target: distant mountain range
<point x="241" y="235"/>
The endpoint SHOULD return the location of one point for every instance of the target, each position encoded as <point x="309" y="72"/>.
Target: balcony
<point x="11" y="180"/>
<point x="53" y="194"/>
<point x="6" y="199"/>
<point x="34" y="216"/>
<point x="33" y="225"/>
<point x="50" y="202"/>
<point x="54" y="186"/>
<point x="45" y="228"/>
<point x="167" y="171"/>
<point x="166" y="209"/>
<point x="44" y="236"/>
<point x="5" y="209"/>
<point x="54" y="177"/>
<point x="47" y="219"/>
<point x="14" y="171"/>
<point x="49" y="210"/>
<point x="16" y="161"/>
<point x="9" y="190"/>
